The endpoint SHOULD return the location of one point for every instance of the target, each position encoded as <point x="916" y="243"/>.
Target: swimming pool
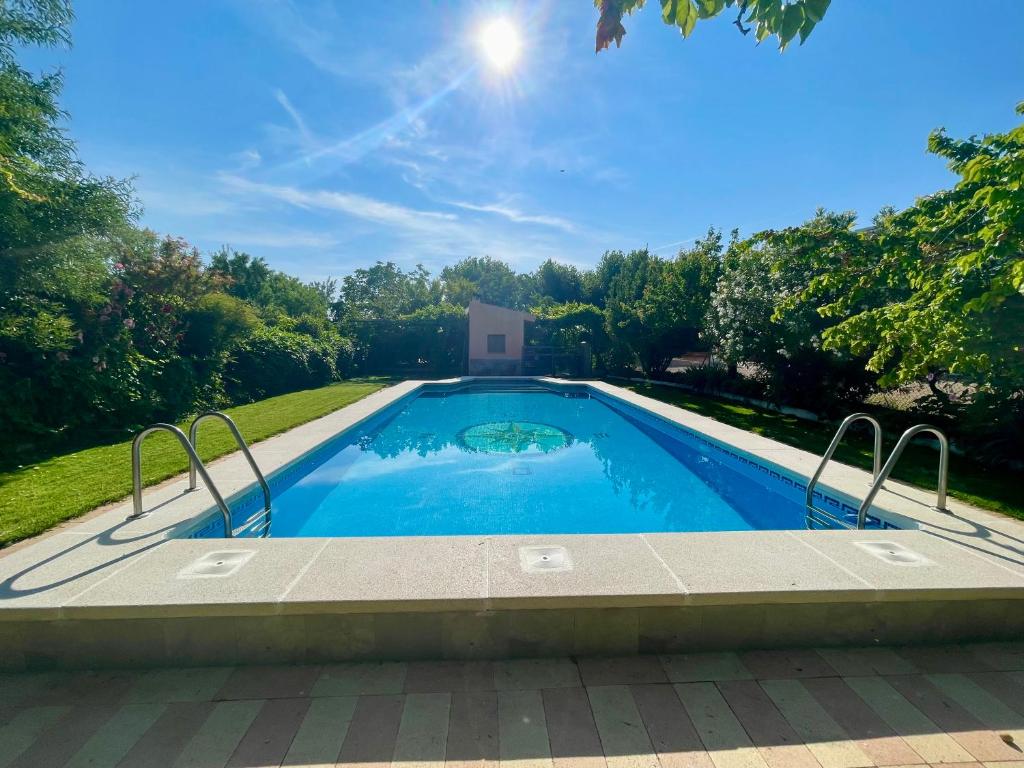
<point x="521" y="457"/>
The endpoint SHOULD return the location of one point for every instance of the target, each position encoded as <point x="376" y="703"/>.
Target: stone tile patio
<point x="834" y="708"/>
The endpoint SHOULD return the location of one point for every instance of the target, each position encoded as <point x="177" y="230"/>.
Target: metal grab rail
<point x="193" y="433"/>
<point x="905" y="438"/>
<point x="194" y="461"/>
<point x="827" y="456"/>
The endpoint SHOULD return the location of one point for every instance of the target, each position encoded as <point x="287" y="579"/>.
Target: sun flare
<point x="500" y="44"/>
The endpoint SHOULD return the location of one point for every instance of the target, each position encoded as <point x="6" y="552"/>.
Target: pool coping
<point x="105" y="567"/>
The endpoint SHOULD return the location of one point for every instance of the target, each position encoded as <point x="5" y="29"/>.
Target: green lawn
<point x="982" y="486"/>
<point x="40" y="495"/>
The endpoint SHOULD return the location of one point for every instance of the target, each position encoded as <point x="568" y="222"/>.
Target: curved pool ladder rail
<point x="905" y="438"/>
<point x="827" y="457"/>
<point x="194" y="461"/>
<point x="193" y="433"/>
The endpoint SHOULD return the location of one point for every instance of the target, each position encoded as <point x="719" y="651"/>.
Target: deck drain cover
<point x="216" y="564"/>
<point x="893" y="553"/>
<point x="544" y="559"/>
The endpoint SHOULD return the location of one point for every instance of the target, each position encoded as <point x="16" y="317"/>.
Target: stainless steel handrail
<point x="194" y="461"/>
<point x="906" y="437"/>
<point x="827" y="456"/>
<point x="193" y="433"/>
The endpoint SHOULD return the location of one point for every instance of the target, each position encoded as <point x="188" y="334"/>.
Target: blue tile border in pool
<point x="247" y="503"/>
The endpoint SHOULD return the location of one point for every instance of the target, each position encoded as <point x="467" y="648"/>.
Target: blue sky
<point x="326" y="135"/>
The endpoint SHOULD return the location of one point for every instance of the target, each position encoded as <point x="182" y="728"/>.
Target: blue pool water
<point x="476" y="460"/>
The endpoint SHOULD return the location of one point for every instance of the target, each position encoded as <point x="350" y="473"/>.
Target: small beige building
<point x="496" y="337"/>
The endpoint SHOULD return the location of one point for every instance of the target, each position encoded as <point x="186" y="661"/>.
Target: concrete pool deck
<point x="104" y="591"/>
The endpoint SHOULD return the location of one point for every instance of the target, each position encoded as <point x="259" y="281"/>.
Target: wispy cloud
<point x="353" y="148"/>
<point x="676" y="244"/>
<point x="283" y="238"/>
<point x="358" y="206"/>
<point x="413" y="234"/>
<point x="300" y="124"/>
<point x="310" y="32"/>
<point x="517" y="216"/>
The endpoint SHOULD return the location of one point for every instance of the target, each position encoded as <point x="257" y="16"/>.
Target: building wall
<point x="487" y="319"/>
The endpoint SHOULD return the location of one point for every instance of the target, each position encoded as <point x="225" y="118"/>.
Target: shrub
<point x="274" y="360"/>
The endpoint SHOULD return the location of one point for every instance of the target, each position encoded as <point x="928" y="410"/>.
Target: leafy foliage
<point x="45" y="194"/>
<point x="384" y="291"/>
<point x="655" y="308"/>
<point x="487" y="279"/>
<point x="758" y="315"/>
<point x="273" y="292"/>
<point x="942" y="290"/>
<point x="275" y="360"/>
<point x="785" y="19"/>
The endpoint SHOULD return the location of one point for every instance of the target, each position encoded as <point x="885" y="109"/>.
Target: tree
<point x="252" y="280"/>
<point x="597" y="282"/>
<point x="945" y="294"/>
<point x="45" y="194"/>
<point x="783" y="18"/>
<point x="760" y="315"/>
<point x="655" y="308"/>
<point x="558" y="283"/>
<point x="383" y="291"/>
<point x="487" y="279"/>
<point x="569" y="324"/>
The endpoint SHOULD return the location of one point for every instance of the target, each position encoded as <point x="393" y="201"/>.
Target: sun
<point x="499" y="41"/>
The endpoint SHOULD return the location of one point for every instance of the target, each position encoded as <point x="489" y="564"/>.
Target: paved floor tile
<point x="370" y="740"/>
<point x="924" y="736"/>
<point x="15" y="687"/>
<point x="21" y="732"/>
<point x="218" y="737"/>
<point x="726" y="741"/>
<point x="572" y="733"/>
<point x="672" y="733"/>
<point x="112" y="741"/>
<point x="771" y="665"/>
<point x="84" y="689"/>
<point x="1004" y="656"/>
<point x="775" y="739"/>
<point x="266" y="742"/>
<point x="318" y="741"/>
<point x="449" y="676"/>
<point x="633" y="670"/>
<point x="967" y="730"/>
<point x="473" y="730"/>
<point x="1008" y="688"/>
<point x="865" y="727"/>
<point x="824" y="737"/>
<point x="522" y="732"/>
<point x="163" y="741"/>
<point x="527" y="674"/>
<point x="360" y="678"/>
<point x="704" y="667"/>
<point x="423" y="732"/>
<point x="271" y="682"/>
<point x="983" y="705"/>
<point x="623" y="736"/>
<point x="858" y="662"/>
<point x="167" y="685"/>
<point x="65" y="736"/>
<point x="944" y="658"/>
